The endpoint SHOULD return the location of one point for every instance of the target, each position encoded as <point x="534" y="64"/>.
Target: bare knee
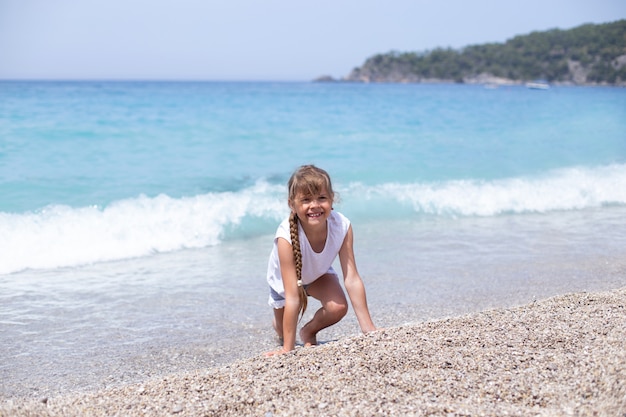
<point x="278" y="321"/>
<point x="337" y="309"/>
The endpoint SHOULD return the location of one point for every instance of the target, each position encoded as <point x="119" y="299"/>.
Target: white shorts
<point x="277" y="300"/>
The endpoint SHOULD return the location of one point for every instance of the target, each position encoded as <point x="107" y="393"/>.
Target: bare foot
<point x="307" y="339"/>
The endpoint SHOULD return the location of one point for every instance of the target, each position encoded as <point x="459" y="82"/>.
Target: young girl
<point x="300" y="265"/>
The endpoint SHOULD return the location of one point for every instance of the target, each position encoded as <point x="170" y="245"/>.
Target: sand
<point x="564" y="356"/>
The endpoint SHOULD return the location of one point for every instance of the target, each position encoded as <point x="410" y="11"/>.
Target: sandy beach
<point x="563" y="356"/>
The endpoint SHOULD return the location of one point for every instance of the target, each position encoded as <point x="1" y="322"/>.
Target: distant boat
<point x="538" y="85"/>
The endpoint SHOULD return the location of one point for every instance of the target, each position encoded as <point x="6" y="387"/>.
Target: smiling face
<point x="311" y="195"/>
<point x="312" y="208"/>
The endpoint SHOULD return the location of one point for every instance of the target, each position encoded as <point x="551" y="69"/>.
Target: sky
<point x="270" y="40"/>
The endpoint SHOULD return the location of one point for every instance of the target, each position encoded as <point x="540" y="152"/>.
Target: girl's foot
<point x="308" y="339"/>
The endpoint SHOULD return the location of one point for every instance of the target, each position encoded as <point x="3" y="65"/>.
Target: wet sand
<point x="561" y="356"/>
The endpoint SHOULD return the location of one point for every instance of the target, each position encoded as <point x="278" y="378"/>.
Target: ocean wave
<point x="61" y="236"/>
<point x="565" y="189"/>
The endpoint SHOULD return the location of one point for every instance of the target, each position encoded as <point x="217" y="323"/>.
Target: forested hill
<point x="588" y="54"/>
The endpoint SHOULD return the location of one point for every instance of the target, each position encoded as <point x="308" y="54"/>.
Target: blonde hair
<point x="307" y="180"/>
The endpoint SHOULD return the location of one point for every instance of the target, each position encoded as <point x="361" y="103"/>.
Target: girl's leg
<point x="278" y="322"/>
<point x="334" y="307"/>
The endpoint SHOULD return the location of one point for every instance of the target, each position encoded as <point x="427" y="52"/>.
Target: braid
<point x="297" y="257"/>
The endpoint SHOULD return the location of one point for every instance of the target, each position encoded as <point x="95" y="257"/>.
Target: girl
<point x="300" y="265"/>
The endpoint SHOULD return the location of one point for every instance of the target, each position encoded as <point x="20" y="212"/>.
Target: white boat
<point x="538" y="85"/>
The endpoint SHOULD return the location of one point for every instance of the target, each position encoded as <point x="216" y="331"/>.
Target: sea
<point x="136" y="218"/>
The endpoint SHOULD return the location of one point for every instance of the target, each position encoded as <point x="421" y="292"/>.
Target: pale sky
<point x="257" y="39"/>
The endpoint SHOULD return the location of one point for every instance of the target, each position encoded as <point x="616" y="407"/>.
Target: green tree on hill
<point x="586" y="54"/>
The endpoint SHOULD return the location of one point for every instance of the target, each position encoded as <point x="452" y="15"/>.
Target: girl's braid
<point x="297" y="257"/>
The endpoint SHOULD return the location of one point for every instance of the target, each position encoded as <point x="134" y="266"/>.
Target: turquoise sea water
<point x="104" y="171"/>
<point x="137" y="216"/>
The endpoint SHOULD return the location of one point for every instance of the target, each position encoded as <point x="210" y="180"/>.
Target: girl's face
<point x="313" y="209"/>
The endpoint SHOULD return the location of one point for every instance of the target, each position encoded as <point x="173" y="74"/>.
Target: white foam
<point x="566" y="189"/>
<point x="63" y="236"/>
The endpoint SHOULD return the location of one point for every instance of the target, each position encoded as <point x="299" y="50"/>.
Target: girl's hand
<point x="370" y="329"/>
<point x="280" y="351"/>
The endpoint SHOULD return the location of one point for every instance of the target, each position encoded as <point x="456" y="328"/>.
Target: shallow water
<point x="125" y="321"/>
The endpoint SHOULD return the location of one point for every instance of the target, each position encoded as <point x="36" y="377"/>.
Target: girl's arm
<point x="354" y="284"/>
<point x="292" y="299"/>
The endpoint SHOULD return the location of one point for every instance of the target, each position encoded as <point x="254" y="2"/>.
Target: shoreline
<point x="565" y="355"/>
<point x="477" y="79"/>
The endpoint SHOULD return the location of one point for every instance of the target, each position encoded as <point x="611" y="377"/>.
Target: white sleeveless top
<point x="314" y="265"/>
